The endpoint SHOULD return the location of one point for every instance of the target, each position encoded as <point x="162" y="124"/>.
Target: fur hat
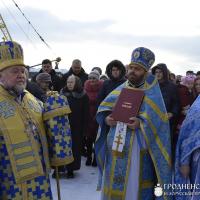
<point x="43" y="77"/>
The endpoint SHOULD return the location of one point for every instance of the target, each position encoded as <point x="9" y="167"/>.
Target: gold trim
<point x="142" y="152"/>
<point x="59" y="161"/>
<point x="19" y="178"/>
<point x="24" y="191"/>
<point x="111" y="193"/>
<point x="152" y="157"/>
<point x="129" y="161"/>
<point x="100" y="162"/>
<point x="116" y="92"/>
<point x="109" y="104"/>
<point x="158" y="141"/>
<point x="163" y="116"/>
<point x="57" y="112"/>
<point x="117" y="154"/>
<point x="37" y="119"/>
<point x="10" y="63"/>
<point x="28" y="114"/>
<point x="143" y="184"/>
<point x="112" y="172"/>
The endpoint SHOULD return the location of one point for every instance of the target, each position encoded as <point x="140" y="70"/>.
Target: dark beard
<point x="136" y="81"/>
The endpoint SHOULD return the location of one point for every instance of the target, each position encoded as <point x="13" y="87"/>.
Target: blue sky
<point x="97" y="32"/>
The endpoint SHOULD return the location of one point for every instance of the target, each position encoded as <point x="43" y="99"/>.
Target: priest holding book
<point x="133" y="149"/>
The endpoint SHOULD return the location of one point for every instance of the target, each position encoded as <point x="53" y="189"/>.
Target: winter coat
<point x="169" y="92"/>
<point x="92" y="92"/>
<point x="110" y="84"/>
<point x="78" y="119"/>
<point x="82" y="75"/>
<point x="36" y="91"/>
<point x="56" y="80"/>
<point x="170" y="95"/>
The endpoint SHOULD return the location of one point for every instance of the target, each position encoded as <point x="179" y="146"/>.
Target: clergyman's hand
<point x="135" y="123"/>
<point x="185" y="170"/>
<point x="170" y="115"/>
<point x="110" y="121"/>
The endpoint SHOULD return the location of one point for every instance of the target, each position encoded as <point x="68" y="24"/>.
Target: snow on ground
<point x="81" y="187"/>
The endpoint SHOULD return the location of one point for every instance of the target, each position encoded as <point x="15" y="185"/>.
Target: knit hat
<point x="43" y="77"/>
<point x="11" y="54"/>
<point x="97" y="69"/>
<point x="94" y="74"/>
<point x="143" y="57"/>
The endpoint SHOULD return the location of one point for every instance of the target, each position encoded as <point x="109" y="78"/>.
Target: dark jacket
<point x="78" y="119"/>
<point x="170" y="94"/>
<point x="112" y="83"/>
<point x="36" y="91"/>
<point x="82" y="75"/>
<point x="56" y="80"/>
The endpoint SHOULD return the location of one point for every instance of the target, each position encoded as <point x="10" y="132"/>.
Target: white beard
<point x="18" y="89"/>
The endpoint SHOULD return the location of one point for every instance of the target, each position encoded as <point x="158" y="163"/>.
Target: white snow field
<point x="81" y="187"/>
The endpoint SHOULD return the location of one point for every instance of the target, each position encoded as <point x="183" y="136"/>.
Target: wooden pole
<point x="58" y="183"/>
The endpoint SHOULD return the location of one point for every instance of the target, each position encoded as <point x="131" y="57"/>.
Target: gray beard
<point x="18" y="89"/>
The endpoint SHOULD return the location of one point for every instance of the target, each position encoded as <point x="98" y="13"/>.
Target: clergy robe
<point x="146" y="156"/>
<point x="24" y="164"/>
<point x="188" y="153"/>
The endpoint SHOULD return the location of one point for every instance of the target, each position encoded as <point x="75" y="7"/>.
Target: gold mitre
<point x="11" y="54"/>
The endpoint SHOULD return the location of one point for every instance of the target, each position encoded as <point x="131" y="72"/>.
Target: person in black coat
<point x="116" y="71"/>
<point x="170" y="95"/>
<point x="33" y="88"/>
<point x="78" y="119"/>
<point x="56" y="80"/>
<point x="77" y="70"/>
<point x="168" y="89"/>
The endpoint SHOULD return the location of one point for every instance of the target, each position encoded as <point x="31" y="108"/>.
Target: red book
<point x="127" y="105"/>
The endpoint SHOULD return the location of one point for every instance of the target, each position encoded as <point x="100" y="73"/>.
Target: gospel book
<point x="127" y="105"/>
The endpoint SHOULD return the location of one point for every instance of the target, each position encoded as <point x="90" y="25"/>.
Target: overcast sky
<point x="97" y="32"/>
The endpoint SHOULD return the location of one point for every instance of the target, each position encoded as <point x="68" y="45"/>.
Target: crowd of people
<point x="157" y="142"/>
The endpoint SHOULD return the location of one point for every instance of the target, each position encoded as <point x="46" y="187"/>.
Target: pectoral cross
<point x="118" y="141"/>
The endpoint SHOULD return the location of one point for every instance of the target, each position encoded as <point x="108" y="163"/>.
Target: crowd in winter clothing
<point x="65" y="117"/>
<point x="85" y="92"/>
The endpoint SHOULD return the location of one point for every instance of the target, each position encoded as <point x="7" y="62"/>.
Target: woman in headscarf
<point x="188" y="81"/>
<point x="78" y="119"/>
<point x="92" y="87"/>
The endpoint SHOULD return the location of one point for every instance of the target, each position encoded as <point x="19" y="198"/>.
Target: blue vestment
<point x="188" y="153"/>
<point x="155" y="160"/>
